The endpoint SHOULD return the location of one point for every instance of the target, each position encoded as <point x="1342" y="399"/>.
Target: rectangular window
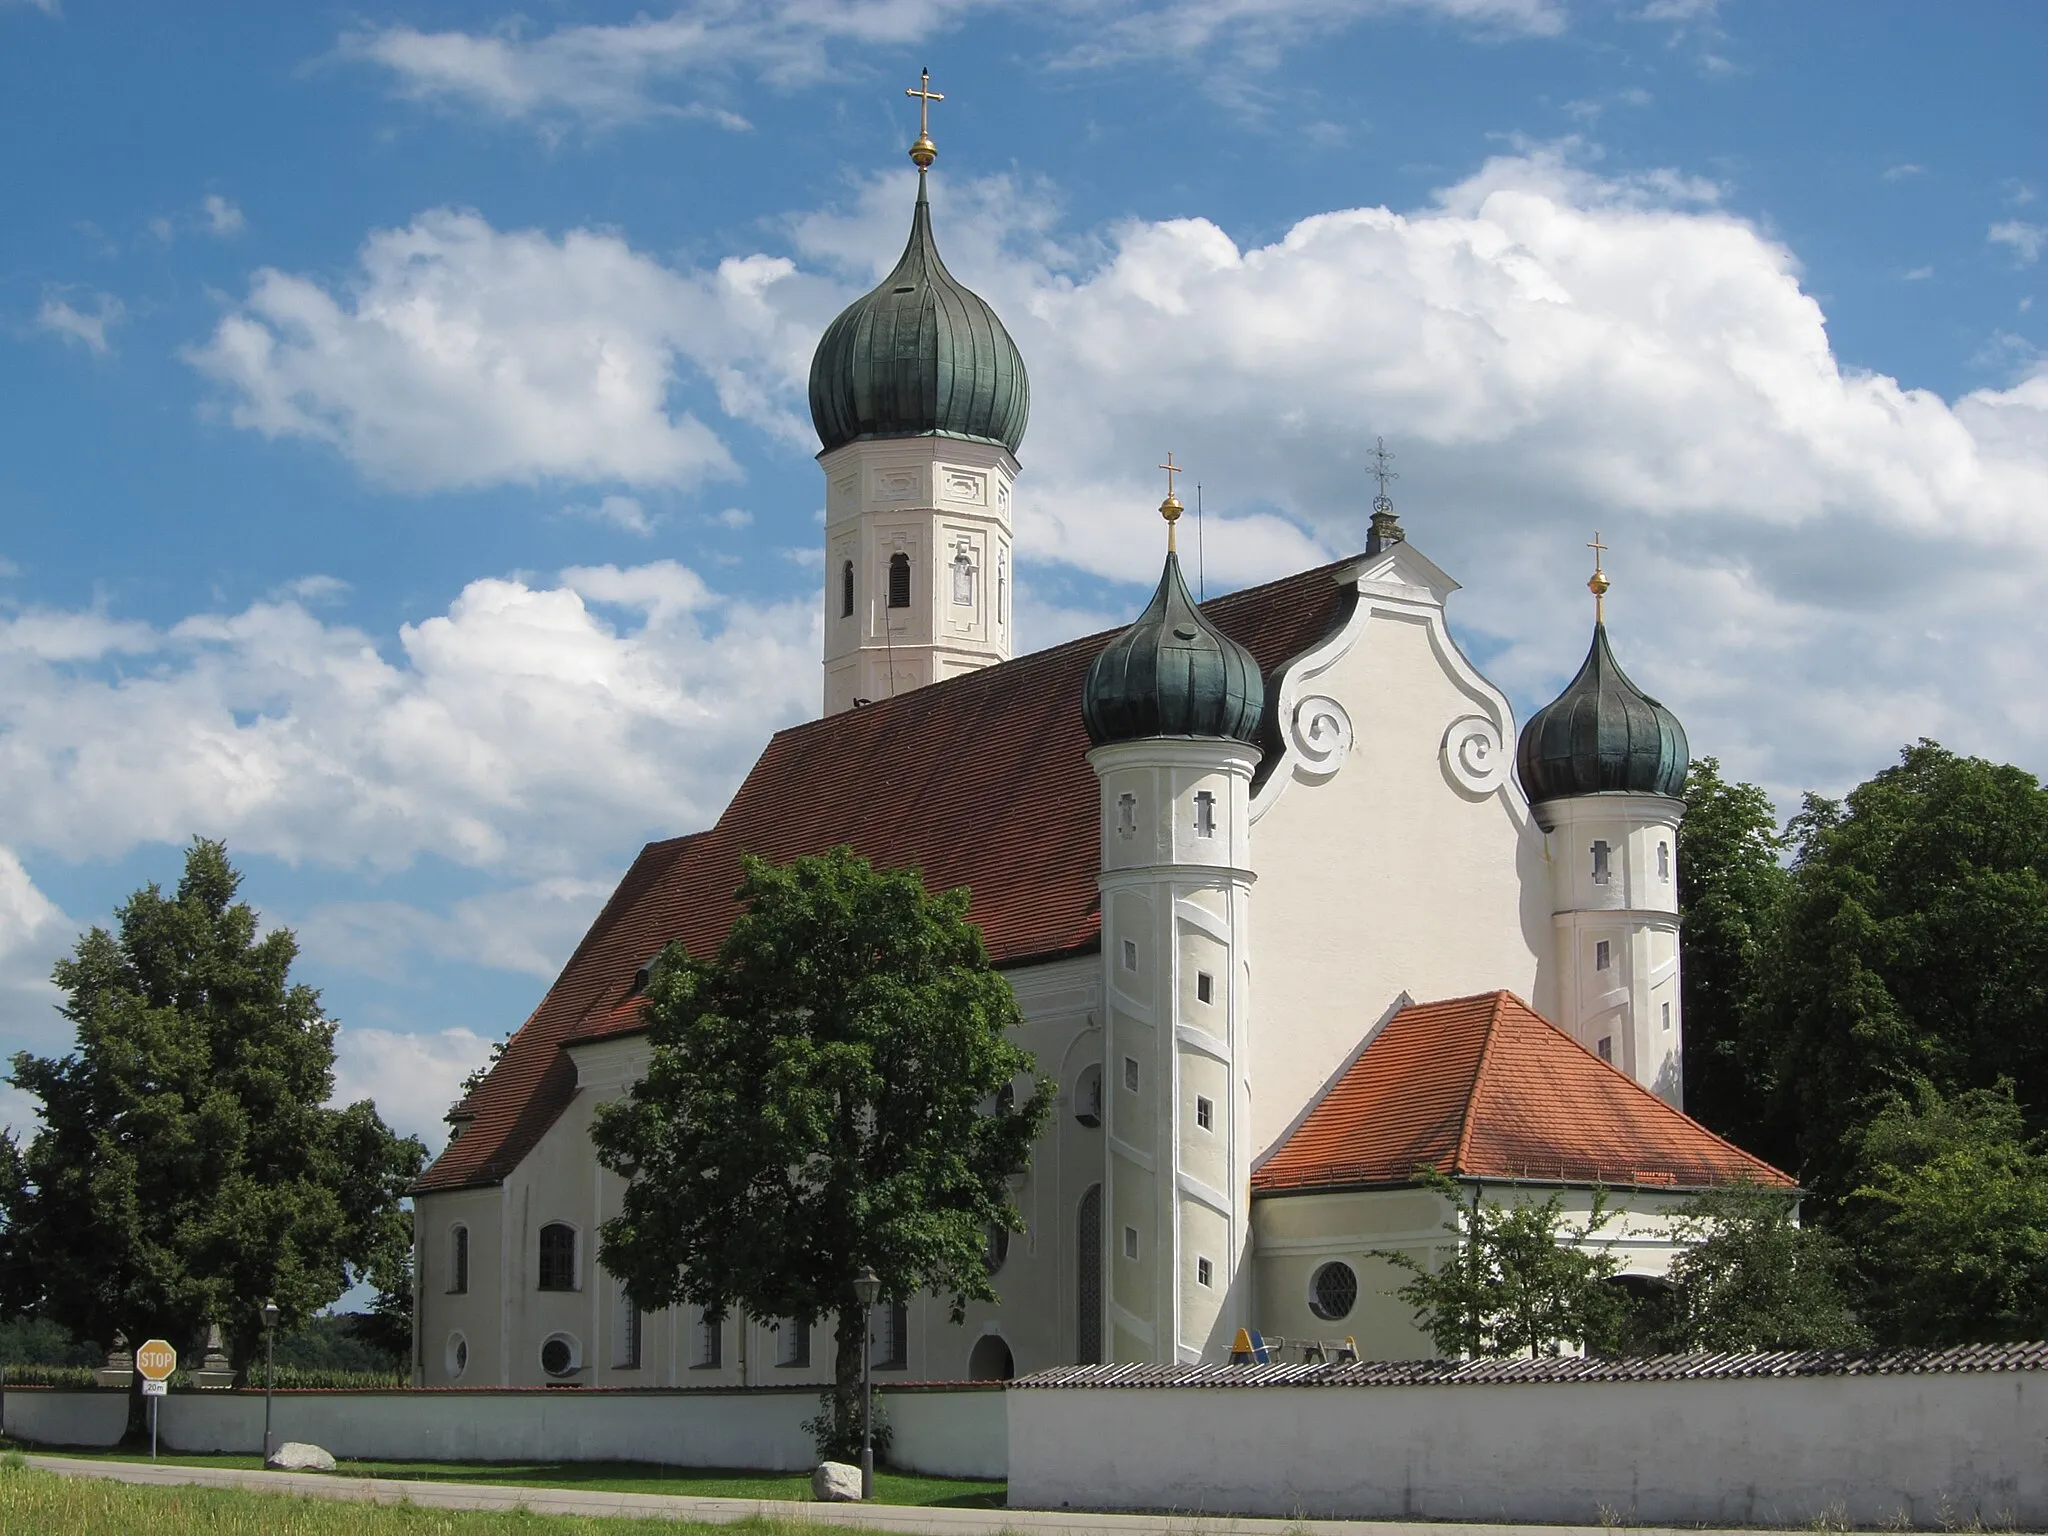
<point x="1130" y="1242"/>
<point x="1205" y="1114"/>
<point x="1130" y="954"/>
<point x="1205" y="987"/>
<point x="1131" y="1074"/>
<point x="625" y="1332"/>
<point x="1607" y="1047"/>
<point x="1127" y="815"/>
<point x="792" y="1343"/>
<point x="1663" y="861"/>
<point x="899" y="581"/>
<point x="1603" y="955"/>
<point x="890" y="1321"/>
<point x="1600" y="852"/>
<point x="458" y="1261"/>
<point x="557" y="1257"/>
<point x="710" y="1341"/>
<point x="1205" y="1272"/>
<point x="1205" y="814"/>
<point x="1667" y="1015"/>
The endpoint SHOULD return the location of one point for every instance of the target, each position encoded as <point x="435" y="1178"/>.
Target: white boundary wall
<point x="947" y="1432"/>
<point x="1925" y="1450"/>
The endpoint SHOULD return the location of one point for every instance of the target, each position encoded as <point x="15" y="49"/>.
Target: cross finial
<point x="1381" y="458"/>
<point x="1598" y="583"/>
<point x="924" y="151"/>
<point x="1170" y="509"/>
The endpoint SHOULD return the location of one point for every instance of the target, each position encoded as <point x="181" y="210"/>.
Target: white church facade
<point x="1289" y="906"/>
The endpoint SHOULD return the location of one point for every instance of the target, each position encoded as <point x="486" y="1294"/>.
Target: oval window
<point x="558" y="1356"/>
<point x="457" y="1356"/>
<point x="1333" y="1292"/>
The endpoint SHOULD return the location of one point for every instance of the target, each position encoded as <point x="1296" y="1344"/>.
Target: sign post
<point x="155" y="1361"/>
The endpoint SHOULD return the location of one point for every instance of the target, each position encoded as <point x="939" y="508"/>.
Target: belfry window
<point x="846" y="590"/>
<point x="963" y="581"/>
<point x="1130" y="955"/>
<point x="1127" y="815"/>
<point x="1663" y="861"/>
<point x="899" y="581"/>
<point x="1205" y="814"/>
<point x="1600" y="852"/>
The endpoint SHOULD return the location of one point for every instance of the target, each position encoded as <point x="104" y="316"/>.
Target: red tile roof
<point x="1486" y="1087"/>
<point x="980" y="781"/>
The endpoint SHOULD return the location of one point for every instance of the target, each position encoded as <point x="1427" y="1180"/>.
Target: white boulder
<point x="298" y="1456"/>
<point x="836" y="1483"/>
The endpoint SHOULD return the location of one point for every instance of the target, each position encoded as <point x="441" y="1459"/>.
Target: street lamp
<point x="269" y="1368"/>
<point x="867" y="1286"/>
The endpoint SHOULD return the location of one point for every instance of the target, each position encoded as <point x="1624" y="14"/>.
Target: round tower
<point x="1604" y="765"/>
<point x="1172" y="706"/>
<point x="920" y="398"/>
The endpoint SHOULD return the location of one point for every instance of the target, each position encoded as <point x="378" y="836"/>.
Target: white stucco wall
<point x="44" y="1416"/>
<point x="1938" y="1449"/>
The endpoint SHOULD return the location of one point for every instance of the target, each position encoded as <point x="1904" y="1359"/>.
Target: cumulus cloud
<point x="2024" y="240"/>
<point x="608" y="74"/>
<point x="412" y="1078"/>
<point x="517" y="732"/>
<point x="622" y="512"/>
<point x="85" y="327"/>
<point x="222" y="217"/>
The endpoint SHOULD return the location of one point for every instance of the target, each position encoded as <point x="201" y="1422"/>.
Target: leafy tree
<point x="187" y="1166"/>
<point x="833" y="1090"/>
<point x="1913" y="947"/>
<point x="1952" y="1219"/>
<point x="1731" y="886"/>
<point x="1751" y="1277"/>
<point x="1518" y="1277"/>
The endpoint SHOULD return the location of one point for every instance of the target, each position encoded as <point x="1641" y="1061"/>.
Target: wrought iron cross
<point x="1381" y="458"/>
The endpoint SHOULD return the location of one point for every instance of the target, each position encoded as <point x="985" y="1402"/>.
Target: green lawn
<point x="621" y="1477"/>
<point x="40" y="1502"/>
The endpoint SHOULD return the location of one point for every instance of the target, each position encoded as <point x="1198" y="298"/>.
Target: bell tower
<point x="920" y="400"/>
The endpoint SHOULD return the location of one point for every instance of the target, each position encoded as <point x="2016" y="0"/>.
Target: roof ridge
<point x="1470" y="1114"/>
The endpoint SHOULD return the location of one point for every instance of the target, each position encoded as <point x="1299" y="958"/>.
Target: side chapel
<point x="1289" y="907"/>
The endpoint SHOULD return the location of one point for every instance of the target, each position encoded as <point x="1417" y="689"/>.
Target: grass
<point x="41" y="1502"/>
<point x="620" y="1477"/>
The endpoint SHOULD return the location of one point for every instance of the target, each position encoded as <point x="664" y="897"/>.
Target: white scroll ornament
<point x="1473" y="755"/>
<point x="1319" y="731"/>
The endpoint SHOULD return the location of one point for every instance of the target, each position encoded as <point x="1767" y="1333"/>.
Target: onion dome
<point x="920" y="356"/>
<point x="1173" y="673"/>
<point x="1602" y="736"/>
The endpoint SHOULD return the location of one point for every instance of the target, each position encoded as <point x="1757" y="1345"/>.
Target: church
<point x="1289" y="906"/>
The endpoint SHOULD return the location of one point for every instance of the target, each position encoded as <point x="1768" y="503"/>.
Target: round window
<point x="456" y="1357"/>
<point x="1333" y="1291"/>
<point x="558" y="1356"/>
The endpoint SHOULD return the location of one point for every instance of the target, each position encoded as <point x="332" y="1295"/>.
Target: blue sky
<point x="405" y="473"/>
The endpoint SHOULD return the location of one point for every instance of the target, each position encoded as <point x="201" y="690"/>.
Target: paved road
<point x="912" y="1520"/>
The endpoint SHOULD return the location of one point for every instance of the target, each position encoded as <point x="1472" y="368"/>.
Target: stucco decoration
<point x="1319" y="733"/>
<point x="1474" y="757"/>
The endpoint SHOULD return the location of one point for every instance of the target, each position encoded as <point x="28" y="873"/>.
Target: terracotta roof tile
<point x="1486" y="1087"/>
<point x="981" y="781"/>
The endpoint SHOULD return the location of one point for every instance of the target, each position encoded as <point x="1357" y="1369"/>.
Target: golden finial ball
<point x="1597" y="584"/>
<point x="1171" y="509"/>
<point x="924" y="151"/>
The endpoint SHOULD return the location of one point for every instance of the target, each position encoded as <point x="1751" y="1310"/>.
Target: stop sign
<point x="156" y="1360"/>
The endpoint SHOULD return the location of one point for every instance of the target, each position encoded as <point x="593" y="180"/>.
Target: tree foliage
<point x="1518" y="1278"/>
<point x="187" y="1165"/>
<point x="835" y="1089"/>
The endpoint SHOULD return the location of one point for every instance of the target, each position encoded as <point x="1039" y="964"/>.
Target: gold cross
<point x="924" y="151"/>
<point x="1598" y="584"/>
<point x="1173" y="469"/>
<point x="1170" y="509"/>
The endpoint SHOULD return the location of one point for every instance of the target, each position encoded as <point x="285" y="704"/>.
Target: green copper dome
<point x="921" y="356"/>
<point x="1173" y="673"/>
<point x="1601" y="736"/>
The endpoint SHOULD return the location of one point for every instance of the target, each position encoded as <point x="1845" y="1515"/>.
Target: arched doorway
<point x="990" y="1360"/>
<point x="1088" y="1279"/>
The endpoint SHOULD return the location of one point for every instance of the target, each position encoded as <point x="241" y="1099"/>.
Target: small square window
<point x="1603" y="955"/>
<point x="1130" y="954"/>
<point x="1600" y="852"/>
<point x="1667" y="1015"/>
<point x="1205" y="814"/>
<point x="1205" y="1114"/>
<point x="1205" y="987"/>
<point x="1130" y="1242"/>
<point x="1205" y="1272"/>
<point x="1131" y="1073"/>
<point x="1607" y="1047"/>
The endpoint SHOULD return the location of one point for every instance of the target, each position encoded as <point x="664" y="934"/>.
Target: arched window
<point x="899" y="581"/>
<point x="991" y="1360"/>
<point x="558" y="1257"/>
<point x="996" y="1247"/>
<point x="458" y="1260"/>
<point x="1088" y="1279"/>
<point x="1002" y="590"/>
<point x="846" y="591"/>
<point x="1088" y="1096"/>
<point x="455" y="1357"/>
<point x="963" y="580"/>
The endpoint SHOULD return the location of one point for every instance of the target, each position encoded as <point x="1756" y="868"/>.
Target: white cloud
<point x="1918" y="274"/>
<point x="34" y="934"/>
<point x="413" y="1078"/>
<point x="86" y="327"/>
<point x="521" y="730"/>
<point x="528" y="928"/>
<point x="222" y="217"/>
<point x="608" y="74"/>
<point x="464" y="356"/>
<point x="622" y="512"/>
<point x="2026" y="240"/>
<point x="733" y="517"/>
<point x="1902" y="171"/>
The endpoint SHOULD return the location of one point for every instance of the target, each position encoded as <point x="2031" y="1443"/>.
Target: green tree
<point x="1912" y="947"/>
<point x="1751" y="1277"/>
<point x="1952" y="1219"/>
<point x="1519" y="1277"/>
<point x="187" y="1165"/>
<point x="1731" y="886"/>
<point x="835" y="1089"/>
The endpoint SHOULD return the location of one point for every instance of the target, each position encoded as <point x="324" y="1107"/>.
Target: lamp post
<point x="269" y="1371"/>
<point x="867" y="1286"/>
